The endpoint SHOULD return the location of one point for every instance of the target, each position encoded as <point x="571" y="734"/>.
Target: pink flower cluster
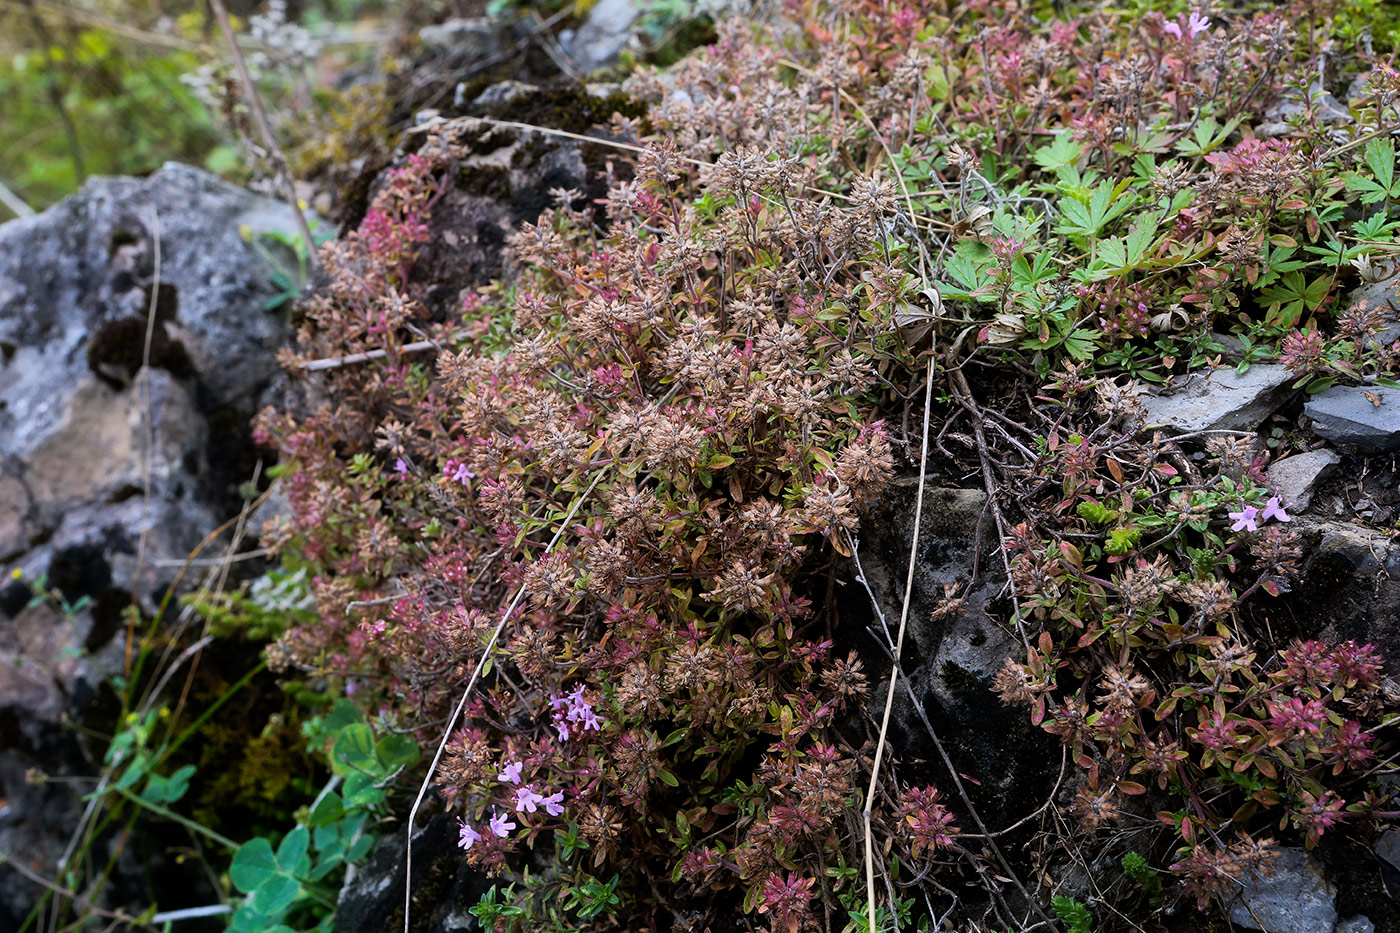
<point x="572" y="711"/>
<point x="1250" y="517"/>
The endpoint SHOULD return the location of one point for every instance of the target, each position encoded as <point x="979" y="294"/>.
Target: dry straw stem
<point x="898" y="645"/>
<point x="274" y="151"/>
<point x="335" y="362"/>
<point x="147" y="421"/>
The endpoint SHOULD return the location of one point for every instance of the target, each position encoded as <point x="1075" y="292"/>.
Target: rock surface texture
<point x="1222" y="400"/>
<point x="111" y="471"/>
<point x="1294" y="899"/>
<point x="1355" y="416"/>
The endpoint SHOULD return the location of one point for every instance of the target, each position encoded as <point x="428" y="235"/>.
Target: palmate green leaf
<point x="966" y="268"/>
<point x="1380" y="159"/>
<point x="1206" y="136"/>
<point x="1086" y="219"/>
<point x="1062" y="152"/>
<point x="1117" y="255"/>
<point x="1380" y="156"/>
<point x="1293" y="295"/>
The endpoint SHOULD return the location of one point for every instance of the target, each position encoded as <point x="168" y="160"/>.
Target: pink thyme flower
<point x="1195" y="25"/>
<point x="501" y="825"/>
<point x="554" y="804"/>
<point x="467" y="836"/>
<point x="400" y="467"/>
<point x="1272" y="509"/>
<point x="1245" y="519"/>
<point x="526" y="800"/>
<point x="511" y="773"/>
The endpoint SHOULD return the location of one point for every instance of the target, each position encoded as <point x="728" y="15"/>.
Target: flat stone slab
<point x="1367" y="418"/>
<point x="1222" y="400"/>
<point x="1296" y="477"/>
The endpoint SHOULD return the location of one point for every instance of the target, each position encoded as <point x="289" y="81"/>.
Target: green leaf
<point x="966" y="267"/>
<point x="354" y="750"/>
<point x="1206" y="136"/>
<point x="353" y="824"/>
<point x="253" y="864"/>
<point x="327" y="810"/>
<point x="162" y="790"/>
<point x="276" y="894"/>
<point x="1086" y="219"/>
<point x="342" y="714"/>
<point x="1060" y="153"/>
<point x="395" y="752"/>
<point x="1380" y="156"/>
<point x="360" y="790"/>
<point x="360" y="848"/>
<point x="247" y="920"/>
<point x="1380" y="159"/>
<point x="292" y="851"/>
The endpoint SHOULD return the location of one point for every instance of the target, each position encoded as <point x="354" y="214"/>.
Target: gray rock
<point x="105" y="482"/>
<point x="75" y="287"/>
<point x="1365" y="418"/>
<point x="1294" y="899"/>
<point x="1388" y="847"/>
<point x="1297" y="476"/>
<point x="603" y="35"/>
<point x="372" y="896"/>
<point x="502" y="92"/>
<point x="951" y="653"/>
<point x="470" y="38"/>
<point x="1223" y="399"/>
<point x="1355" y="925"/>
<point x="1319" y="102"/>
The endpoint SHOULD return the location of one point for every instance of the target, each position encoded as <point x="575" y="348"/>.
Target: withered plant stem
<point x="274" y="151"/>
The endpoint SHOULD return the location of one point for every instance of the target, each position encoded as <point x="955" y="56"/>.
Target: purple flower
<point x="456" y="470"/>
<point x="511" y="773"/>
<point x="1272" y="509"/>
<point x="467" y="837"/>
<point x="501" y="825"/>
<point x="554" y="804"/>
<point x="526" y="800"/>
<point x="1245" y="519"/>
<point x="572" y="710"/>
<point x="1172" y="29"/>
<point x="400" y="467"/>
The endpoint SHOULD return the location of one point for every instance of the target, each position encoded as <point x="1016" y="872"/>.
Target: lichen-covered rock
<point x="111" y="471"/>
<point x="1294" y="898"/>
